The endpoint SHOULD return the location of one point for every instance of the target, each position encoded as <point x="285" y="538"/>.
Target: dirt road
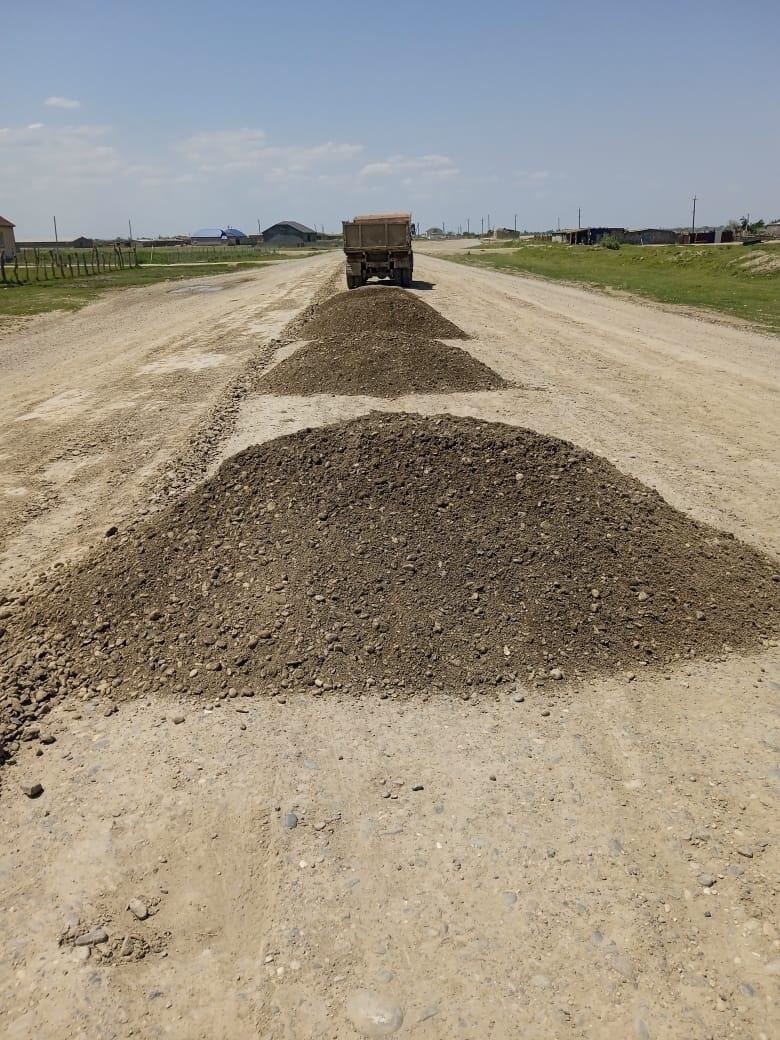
<point x="600" y="862"/>
<point x="94" y="404"/>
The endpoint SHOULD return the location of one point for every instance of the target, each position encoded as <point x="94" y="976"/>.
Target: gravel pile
<point x="380" y="364"/>
<point x="376" y="307"/>
<point x="378" y="341"/>
<point x="394" y="552"/>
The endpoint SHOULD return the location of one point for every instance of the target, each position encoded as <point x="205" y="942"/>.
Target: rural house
<point x="218" y="237"/>
<point x="7" y="241"/>
<point x="289" y="233"/>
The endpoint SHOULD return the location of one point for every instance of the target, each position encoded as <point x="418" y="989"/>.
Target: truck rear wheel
<point x="354" y="281"/>
<point x="406" y="278"/>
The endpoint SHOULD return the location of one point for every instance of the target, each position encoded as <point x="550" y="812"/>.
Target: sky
<point x="180" y="114"/>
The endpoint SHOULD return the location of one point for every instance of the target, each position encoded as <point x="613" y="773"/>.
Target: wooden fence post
<point x="70" y="263"/>
<point x="2" y="267"/>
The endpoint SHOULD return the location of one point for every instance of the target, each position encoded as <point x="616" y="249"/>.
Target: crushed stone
<point x="389" y="552"/>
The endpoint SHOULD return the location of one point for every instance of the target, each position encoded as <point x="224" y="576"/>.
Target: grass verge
<point x="741" y="281"/>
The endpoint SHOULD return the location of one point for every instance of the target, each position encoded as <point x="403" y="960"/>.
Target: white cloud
<point x="432" y="167"/>
<point x="62" y="102"/>
<point x="95" y="175"/>
<point x="44" y="156"/>
<point x="533" y="176"/>
<point x="245" y="149"/>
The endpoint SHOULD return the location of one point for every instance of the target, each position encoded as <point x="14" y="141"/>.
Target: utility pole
<point x="130" y="229"/>
<point x="56" y="239"/>
<point x="259" y="232"/>
<point x="488" y="223"/>
<point x="515" y="222"/>
<point x="559" y="223"/>
<point x="693" y="220"/>
<point x="468" y="225"/>
<point x="482" y="232"/>
<point x="579" y="217"/>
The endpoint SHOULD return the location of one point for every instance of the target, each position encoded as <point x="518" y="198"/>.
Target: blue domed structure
<point x="228" y="236"/>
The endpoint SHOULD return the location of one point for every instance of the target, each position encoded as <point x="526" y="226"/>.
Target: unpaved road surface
<point x="597" y="860"/>
<point x="95" y="403"/>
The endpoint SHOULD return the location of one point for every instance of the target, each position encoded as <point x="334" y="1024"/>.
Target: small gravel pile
<point x="381" y="342"/>
<point x="393" y="552"/>
<point x="380" y="364"/>
<point x="377" y="307"/>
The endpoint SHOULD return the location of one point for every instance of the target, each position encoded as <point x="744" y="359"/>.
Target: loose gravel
<point x="379" y="364"/>
<point x="391" y="552"/>
<point x="377" y="341"/>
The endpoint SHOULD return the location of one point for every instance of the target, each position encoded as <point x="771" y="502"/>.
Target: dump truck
<point x="379" y="245"/>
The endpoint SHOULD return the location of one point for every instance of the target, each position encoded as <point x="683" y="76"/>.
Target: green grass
<point x="70" y="294"/>
<point x="202" y="254"/>
<point x="712" y="277"/>
<point x="217" y="254"/>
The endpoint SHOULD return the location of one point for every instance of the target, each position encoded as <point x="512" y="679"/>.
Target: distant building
<point x="772" y="229"/>
<point x="587" y="236"/>
<point x="505" y="232"/>
<point x="289" y="233"/>
<point x="7" y="240"/>
<point x="157" y="243"/>
<point x="706" y="236"/>
<point x="218" y="237"/>
<point x="434" y="232"/>
<point x="650" y="236"/>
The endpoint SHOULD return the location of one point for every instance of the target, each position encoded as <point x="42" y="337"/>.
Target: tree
<point x="751" y="227"/>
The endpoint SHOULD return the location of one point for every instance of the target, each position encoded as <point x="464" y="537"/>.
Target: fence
<point x="44" y="265"/>
<point x="199" y="254"/>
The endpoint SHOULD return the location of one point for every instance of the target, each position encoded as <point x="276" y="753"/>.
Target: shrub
<point x="610" y="242"/>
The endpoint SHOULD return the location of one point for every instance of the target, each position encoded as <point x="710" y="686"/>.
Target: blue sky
<point x="185" y="114"/>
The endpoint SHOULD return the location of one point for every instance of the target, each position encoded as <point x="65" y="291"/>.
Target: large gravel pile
<point x="392" y="551"/>
<point x="379" y="364"/>
<point x="377" y="307"/>
<point x="378" y="341"/>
